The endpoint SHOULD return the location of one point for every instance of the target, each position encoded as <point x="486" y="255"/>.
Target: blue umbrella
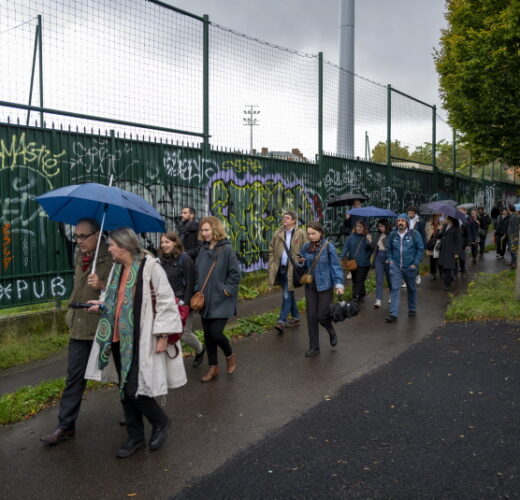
<point x="450" y="212"/>
<point x="372" y="212"/>
<point x="110" y="206"/>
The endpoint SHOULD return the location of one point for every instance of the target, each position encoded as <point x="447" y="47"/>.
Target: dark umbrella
<point x="451" y="212"/>
<point x="372" y="212"/>
<point x="429" y="208"/>
<point x="346" y="199"/>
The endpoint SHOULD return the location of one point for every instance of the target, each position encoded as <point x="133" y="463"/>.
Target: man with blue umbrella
<point x="82" y="324"/>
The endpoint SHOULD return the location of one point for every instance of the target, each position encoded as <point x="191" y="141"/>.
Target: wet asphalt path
<point x="273" y="385"/>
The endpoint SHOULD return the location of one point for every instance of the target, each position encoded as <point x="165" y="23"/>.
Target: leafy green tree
<point x="379" y="151"/>
<point x="478" y="64"/>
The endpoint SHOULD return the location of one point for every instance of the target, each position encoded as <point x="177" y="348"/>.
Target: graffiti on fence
<point x="17" y="152"/>
<point x="182" y="167"/>
<point x="242" y="165"/>
<point x="7" y="255"/>
<point x="33" y="289"/>
<point x="251" y="209"/>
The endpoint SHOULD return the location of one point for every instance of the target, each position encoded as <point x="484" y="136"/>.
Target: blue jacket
<point x="327" y="272"/>
<point x="406" y="251"/>
<point x="351" y="251"/>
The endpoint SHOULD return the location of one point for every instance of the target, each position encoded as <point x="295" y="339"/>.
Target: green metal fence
<point x="173" y="89"/>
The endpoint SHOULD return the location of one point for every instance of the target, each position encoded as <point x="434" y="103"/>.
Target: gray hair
<point x="127" y="238"/>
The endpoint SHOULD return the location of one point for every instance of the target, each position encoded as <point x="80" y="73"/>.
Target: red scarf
<point x="86" y="259"/>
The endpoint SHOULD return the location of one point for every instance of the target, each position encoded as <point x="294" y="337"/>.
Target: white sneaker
<point x="377" y="303"/>
<point x="403" y="285"/>
<point x="349" y="275"/>
<point x="390" y="300"/>
<point x="418" y="280"/>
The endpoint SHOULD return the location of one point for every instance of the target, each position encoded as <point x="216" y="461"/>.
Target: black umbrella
<point x="346" y="199"/>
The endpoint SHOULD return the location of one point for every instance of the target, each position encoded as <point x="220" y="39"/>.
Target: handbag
<point x="481" y="232"/>
<point x="298" y="271"/>
<point x="197" y="299"/>
<point x="307" y="277"/>
<point x="351" y="264"/>
<point x="437" y="249"/>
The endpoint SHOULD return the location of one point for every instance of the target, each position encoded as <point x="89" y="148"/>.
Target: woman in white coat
<point x="131" y="344"/>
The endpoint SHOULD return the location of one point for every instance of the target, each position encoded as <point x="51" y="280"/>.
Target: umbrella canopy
<point x="372" y="212"/>
<point x="346" y="199"/>
<point x="451" y="212"/>
<point x="119" y="208"/>
<point x="467" y="206"/>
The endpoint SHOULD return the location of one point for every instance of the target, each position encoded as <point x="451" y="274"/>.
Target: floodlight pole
<point x="251" y="122"/>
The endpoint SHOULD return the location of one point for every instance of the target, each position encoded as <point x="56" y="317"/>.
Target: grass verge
<point x="489" y="296"/>
<point x="28" y="401"/>
<point x="30" y="347"/>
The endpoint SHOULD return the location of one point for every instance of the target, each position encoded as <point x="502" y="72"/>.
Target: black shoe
<point x="312" y="352"/>
<point x="333" y="339"/>
<point x="279" y="327"/>
<point x="412" y="314"/>
<point x="159" y="435"/>
<point x="57" y="436"/>
<point x="199" y="358"/>
<point x="390" y="318"/>
<point x="129" y="448"/>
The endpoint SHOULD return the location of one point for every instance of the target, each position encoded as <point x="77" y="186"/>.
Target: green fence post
<point x="434" y="149"/>
<point x="320" y="107"/>
<point x="41" y="66"/>
<point x="389" y="134"/>
<point x="205" y="85"/>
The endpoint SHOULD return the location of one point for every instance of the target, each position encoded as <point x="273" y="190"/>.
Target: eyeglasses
<point x="82" y="237"/>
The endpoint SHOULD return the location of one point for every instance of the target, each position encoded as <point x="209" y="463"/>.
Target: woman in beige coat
<point x="131" y="345"/>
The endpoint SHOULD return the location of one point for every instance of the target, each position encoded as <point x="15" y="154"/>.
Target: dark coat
<point x="502" y="224"/>
<point x="357" y="247"/>
<point x="188" y="233"/>
<point x="485" y="221"/>
<point x="181" y="275"/>
<point x="471" y="231"/>
<point x="450" y="246"/>
<point x="221" y="292"/>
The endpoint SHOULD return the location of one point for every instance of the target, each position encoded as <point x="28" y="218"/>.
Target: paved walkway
<point x="273" y="385"/>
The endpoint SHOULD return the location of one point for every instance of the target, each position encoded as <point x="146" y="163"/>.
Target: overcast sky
<point x="394" y="39"/>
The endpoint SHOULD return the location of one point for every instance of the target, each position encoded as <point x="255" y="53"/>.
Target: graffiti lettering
<point x="33" y="289"/>
<point x="100" y="158"/>
<point x="192" y="168"/>
<point x="6" y="246"/>
<point x="252" y="209"/>
<point x="6" y="291"/>
<point x="243" y="165"/>
<point x="21" y="153"/>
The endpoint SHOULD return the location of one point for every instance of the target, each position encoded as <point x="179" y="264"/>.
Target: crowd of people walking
<point x="137" y="308"/>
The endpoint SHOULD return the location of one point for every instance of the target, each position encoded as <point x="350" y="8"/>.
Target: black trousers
<point x="448" y="277"/>
<point x="433" y="266"/>
<point x="79" y="352"/>
<point x="318" y="304"/>
<point x="359" y="277"/>
<point x="501" y="243"/>
<point x="135" y="407"/>
<point x="213" y="337"/>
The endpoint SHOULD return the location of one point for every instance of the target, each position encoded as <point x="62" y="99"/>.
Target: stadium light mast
<point x="251" y="122"/>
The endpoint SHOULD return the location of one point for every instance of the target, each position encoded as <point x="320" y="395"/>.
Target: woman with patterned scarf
<point x="131" y="344"/>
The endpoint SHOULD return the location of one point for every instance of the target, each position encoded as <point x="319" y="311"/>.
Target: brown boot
<point x="231" y="363"/>
<point x="212" y="373"/>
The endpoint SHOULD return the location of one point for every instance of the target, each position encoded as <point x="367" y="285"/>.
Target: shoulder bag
<point x="351" y="264"/>
<point x="197" y="300"/>
<point x="307" y="278"/>
<point x="298" y="271"/>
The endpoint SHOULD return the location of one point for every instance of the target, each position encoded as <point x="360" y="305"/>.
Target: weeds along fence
<point x="186" y="112"/>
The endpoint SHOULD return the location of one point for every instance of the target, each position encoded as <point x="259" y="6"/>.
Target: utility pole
<point x="251" y="122"/>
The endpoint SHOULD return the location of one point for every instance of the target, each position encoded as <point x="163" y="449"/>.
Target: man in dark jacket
<point x="82" y="324"/>
<point x="189" y="231"/>
<point x="484" y="221"/>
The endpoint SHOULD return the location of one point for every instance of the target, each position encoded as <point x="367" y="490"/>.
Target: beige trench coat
<point x="276" y="249"/>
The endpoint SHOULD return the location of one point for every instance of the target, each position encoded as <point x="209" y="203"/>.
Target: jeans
<point x="409" y="275"/>
<point x="79" y="351"/>
<point x="318" y="304"/>
<point x="382" y="271"/>
<point x="288" y="300"/>
<point x="214" y="337"/>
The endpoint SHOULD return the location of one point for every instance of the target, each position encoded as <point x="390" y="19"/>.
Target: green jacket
<point x="83" y="324"/>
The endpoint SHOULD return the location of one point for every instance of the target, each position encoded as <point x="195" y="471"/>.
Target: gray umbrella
<point x="346" y="199"/>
